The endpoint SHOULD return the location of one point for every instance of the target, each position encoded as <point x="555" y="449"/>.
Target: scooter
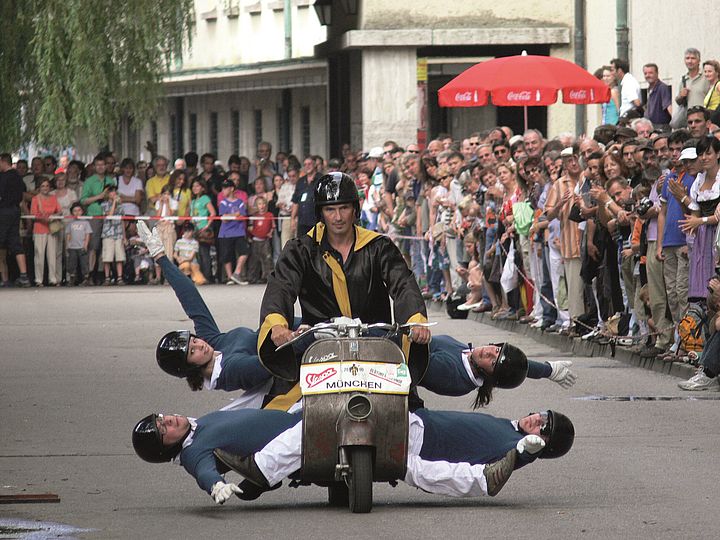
<point x="355" y="409"/>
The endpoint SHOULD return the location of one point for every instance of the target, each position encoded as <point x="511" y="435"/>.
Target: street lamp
<point x="323" y="8"/>
<point x="350" y="6"/>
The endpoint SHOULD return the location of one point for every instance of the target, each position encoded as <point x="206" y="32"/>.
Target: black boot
<point x="244" y="466"/>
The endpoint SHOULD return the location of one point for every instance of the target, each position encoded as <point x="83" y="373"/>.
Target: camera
<point x="643" y="206"/>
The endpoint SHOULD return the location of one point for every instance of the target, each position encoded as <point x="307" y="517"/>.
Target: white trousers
<point x="45" y="243"/>
<point x="557" y="269"/>
<point x="283" y="456"/>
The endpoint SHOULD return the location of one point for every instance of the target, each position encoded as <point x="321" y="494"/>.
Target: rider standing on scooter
<point x="338" y="269"/>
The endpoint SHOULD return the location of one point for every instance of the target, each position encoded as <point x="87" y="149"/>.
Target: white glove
<point x="151" y="239"/>
<point x="221" y="491"/>
<point x="562" y="374"/>
<point x="531" y="444"/>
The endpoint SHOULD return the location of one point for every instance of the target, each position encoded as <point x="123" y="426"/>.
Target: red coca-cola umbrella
<point x="523" y="81"/>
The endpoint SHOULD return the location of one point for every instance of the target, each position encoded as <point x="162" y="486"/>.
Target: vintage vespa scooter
<point x="355" y="409"/>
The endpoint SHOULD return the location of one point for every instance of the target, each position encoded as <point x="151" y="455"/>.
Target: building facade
<point x="364" y="71"/>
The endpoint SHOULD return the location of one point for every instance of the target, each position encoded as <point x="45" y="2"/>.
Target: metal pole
<point x="621" y="31"/>
<point x="288" y="29"/>
<point x="580" y="111"/>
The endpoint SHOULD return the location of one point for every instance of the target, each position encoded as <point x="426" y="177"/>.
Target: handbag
<point x="679" y="114"/>
<point x="523" y="215"/>
<point x="55" y="225"/>
<point x="679" y="117"/>
<point x="509" y="278"/>
<point x="575" y="214"/>
<point x="206" y="236"/>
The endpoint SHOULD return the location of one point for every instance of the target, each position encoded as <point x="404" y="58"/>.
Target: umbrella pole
<point x="525" y="115"/>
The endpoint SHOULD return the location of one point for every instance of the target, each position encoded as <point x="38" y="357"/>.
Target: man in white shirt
<point x="629" y="87"/>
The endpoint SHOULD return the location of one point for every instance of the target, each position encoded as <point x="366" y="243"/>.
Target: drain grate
<point x="706" y="397"/>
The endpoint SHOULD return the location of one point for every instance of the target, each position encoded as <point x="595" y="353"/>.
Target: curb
<point x="579" y="347"/>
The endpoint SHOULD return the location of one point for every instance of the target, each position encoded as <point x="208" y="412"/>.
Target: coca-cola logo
<point x="313" y="379"/>
<point x="519" y="96"/>
<point x="463" y="96"/>
<point x="578" y="94"/>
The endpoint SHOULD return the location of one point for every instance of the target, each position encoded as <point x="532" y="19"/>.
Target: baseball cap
<point x="688" y="153"/>
<point x="375" y="152"/>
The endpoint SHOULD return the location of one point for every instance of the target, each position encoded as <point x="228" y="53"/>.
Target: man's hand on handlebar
<point x="420" y="335"/>
<point x="281" y="335"/>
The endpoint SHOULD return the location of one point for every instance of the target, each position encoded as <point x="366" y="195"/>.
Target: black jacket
<point x="360" y="288"/>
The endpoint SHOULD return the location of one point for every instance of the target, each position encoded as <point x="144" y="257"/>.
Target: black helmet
<point x="172" y="351"/>
<point x="560" y="434"/>
<point x="511" y="366"/>
<point x="147" y="442"/>
<point x="335" y="188"/>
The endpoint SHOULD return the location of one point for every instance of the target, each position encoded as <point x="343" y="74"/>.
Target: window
<point x="305" y="129"/>
<point x="214" y="133"/>
<point x="258" y="126"/>
<point x="173" y="137"/>
<point x="235" y="128"/>
<point x="154" y="134"/>
<point x="284" y="122"/>
<point x="193" y="132"/>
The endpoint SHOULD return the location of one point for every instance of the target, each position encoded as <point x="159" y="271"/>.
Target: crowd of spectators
<point x="595" y="237"/>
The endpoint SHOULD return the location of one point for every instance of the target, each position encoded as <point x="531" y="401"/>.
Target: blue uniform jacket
<point x="460" y="437"/>
<point x="241" y="432"/>
<point x="447" y="376"/>
<point x="241" y="368"/>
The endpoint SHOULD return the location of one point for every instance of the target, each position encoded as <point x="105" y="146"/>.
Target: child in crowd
<point x="139" y="255"/>
<point x="232" y="237"/>
<point x="261" y="230"/>
<point x="77" y="239"/>
<point x="113" y="236"/>
<point x="166" y="206"/>
<point x="186" y="254"/>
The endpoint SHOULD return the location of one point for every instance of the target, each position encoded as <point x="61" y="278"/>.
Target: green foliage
<point x="72" y="65"/>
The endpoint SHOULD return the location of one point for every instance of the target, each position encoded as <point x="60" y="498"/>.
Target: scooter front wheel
<point x="360" y="482"/>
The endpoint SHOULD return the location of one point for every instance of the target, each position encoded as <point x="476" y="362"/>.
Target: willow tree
<point x="69" y="65"/>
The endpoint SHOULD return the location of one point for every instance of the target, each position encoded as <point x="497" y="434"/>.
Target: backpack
<point x="692" y="328"/>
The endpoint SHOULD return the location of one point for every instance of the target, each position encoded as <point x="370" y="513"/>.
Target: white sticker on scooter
<point x="372" y="377"/>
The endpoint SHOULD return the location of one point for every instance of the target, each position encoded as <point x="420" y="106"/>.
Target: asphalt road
<point x="79" y="371"/>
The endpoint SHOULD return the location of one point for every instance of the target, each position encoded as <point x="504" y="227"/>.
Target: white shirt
<point x="707" y="195"/>
<point x="129" y="189"/>
<point x="285" y="197"/>
<point x="629" y="92"/>
<point x="172" y="203"/>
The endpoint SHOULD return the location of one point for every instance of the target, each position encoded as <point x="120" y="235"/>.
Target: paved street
<point x="79" y="371"/>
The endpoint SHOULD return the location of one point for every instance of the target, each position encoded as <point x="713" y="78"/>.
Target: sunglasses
<point x="413" y="151"/>
<point x="547" y="426"/>
<point x="500" y="151"/>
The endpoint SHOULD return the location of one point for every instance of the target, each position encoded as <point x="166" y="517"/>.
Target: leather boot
<point x="497" y="474"/>
<point x="244" y="466"/>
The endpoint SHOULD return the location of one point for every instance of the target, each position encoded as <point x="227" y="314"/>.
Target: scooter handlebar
<point x="340" y="328"/>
